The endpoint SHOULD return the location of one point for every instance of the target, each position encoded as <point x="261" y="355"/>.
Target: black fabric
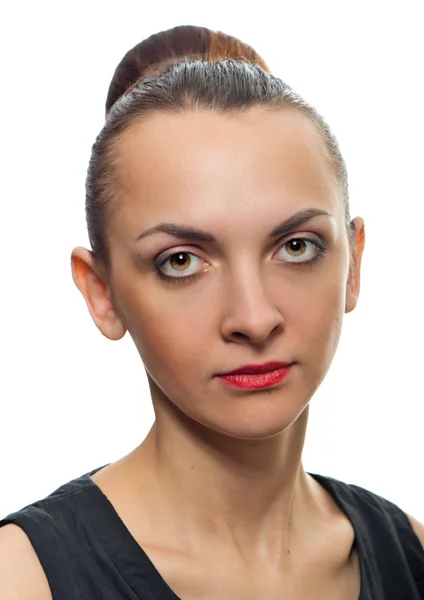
<point x="88" y="553"/>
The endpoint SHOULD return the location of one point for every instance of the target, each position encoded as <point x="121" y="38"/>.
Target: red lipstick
<point x="257" y="376"/>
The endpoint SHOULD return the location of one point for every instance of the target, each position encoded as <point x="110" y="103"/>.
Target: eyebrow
<point x="193" y="234"/>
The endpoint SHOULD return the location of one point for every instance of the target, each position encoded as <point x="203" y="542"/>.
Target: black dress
<point x="88" y="553"/>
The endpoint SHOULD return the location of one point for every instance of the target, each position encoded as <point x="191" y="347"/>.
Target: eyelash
<point x="321" y="249"/>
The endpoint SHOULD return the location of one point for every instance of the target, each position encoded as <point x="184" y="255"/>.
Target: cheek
<point x="168" y="327"/>
<point x="317" y="319"/>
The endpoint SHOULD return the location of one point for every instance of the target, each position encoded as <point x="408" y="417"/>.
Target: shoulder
<point x="417" y="527"/>
<point x="395" y="511"/>
<point x="401" y="517"/>
<point x="21" y="574"/>
<point x="374" y="510"/>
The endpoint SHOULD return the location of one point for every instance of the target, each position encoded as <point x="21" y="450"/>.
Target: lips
<point x="254" y="369"/>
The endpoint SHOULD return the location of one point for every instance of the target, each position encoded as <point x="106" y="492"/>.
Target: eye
<point x="302" y="250"/>
<point x="179" y="263"/>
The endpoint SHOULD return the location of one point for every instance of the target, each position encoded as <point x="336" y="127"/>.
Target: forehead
<point x="204" y="163"/>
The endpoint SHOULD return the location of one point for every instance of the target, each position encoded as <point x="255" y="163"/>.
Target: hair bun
<point x="161" y="50"/>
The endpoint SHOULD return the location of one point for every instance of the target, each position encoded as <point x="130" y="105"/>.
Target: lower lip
<point x="258" y="380"/>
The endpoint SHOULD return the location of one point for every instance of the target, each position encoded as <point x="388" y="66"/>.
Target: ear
<point x="353" y="283"/>
<point x="90" y="279"/>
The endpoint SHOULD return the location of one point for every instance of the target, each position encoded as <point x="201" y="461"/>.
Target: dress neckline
<point x="139" y="571"/>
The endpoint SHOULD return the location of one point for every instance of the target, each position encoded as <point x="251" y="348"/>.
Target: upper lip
<point x="266" y="367"/>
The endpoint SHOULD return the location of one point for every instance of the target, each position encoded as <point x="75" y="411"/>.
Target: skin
<point x="213" y="449"/>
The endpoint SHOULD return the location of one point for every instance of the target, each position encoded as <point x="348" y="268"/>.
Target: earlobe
<point x="353" y="283"/>
<point x="91" y="283"/>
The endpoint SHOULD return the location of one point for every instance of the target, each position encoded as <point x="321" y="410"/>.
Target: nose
<point x="250" y="313"/>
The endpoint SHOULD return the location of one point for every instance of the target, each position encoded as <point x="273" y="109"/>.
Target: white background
<point x="70" y="399"/>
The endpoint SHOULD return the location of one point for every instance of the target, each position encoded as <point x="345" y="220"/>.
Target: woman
<point x="218" y="216"/>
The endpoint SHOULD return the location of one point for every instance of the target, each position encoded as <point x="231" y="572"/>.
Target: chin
<point x="261" y="423"/>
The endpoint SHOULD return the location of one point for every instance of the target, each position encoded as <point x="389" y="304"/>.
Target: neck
<point x="235" y="492"/>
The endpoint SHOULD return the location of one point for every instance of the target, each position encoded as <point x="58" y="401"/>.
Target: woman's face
<point x="239" y="297"/>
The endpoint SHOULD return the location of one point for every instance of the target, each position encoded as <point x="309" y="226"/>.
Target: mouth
<point x="261" y="379"/>
<point x="256" y="369"/>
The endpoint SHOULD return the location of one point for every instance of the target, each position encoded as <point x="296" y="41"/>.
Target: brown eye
<point x="179" y="261"/>
<point x="301" y="251"/>
<point x="295" y="247"/>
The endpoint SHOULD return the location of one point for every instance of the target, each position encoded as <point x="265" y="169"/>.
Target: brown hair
<point x="186" y="68"/>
